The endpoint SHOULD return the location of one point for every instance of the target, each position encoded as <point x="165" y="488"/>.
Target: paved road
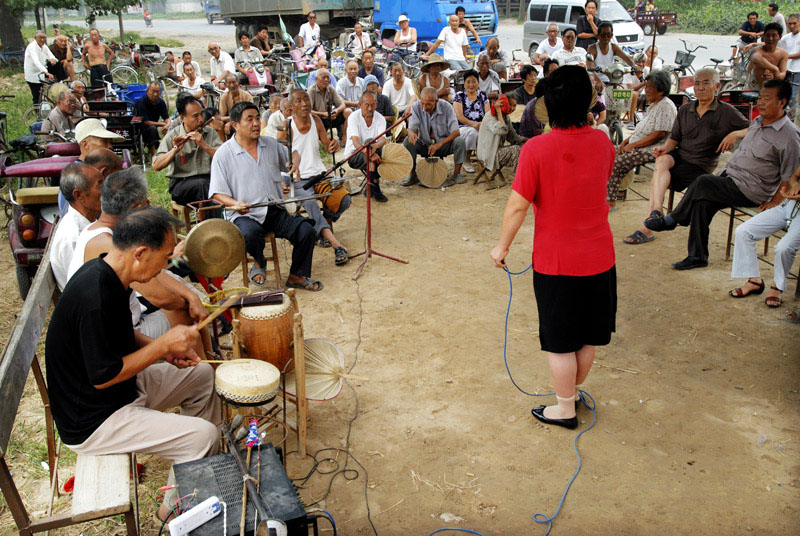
<point x="510" y="37"/>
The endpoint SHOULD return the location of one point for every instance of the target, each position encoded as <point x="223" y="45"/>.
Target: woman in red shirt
<point x="564" y="174"/>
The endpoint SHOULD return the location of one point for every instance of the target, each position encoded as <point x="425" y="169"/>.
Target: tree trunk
<point x="38" y="18"/>
<point x="10" y="32"/>
<point x="121" y="30"/>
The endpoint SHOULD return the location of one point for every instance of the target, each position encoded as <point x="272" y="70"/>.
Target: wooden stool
<point x="271" y="255"/>
<point x="182" y="210"/>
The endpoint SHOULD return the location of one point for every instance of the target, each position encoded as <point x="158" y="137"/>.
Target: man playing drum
<point x="107" y="382"/>
<point x="97" y="58"/>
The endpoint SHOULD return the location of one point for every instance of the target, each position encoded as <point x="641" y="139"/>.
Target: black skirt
<point x="575" y="311"/>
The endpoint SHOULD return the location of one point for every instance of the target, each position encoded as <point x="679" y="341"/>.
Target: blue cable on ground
<point x="333" y="523"/>
<point x="457" y="529"/>
<point x="584" y="396"/>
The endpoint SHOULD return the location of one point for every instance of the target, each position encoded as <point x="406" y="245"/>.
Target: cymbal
<point x="214" y="248"/>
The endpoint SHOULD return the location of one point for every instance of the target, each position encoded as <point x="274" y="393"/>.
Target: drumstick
<point x="224" y="361"/>
<point x="222" y="308"/>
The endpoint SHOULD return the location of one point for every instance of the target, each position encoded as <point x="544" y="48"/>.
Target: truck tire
<point x="662" y="29"/>
<point x="532" y="51"/>
<point x="647" y="29"/>
<point x="25" y="275"/>
<point x="210" y="19"/>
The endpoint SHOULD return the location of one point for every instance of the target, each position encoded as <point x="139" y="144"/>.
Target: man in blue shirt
<point x="752" y="29"/>
<point x="155" y="117"/>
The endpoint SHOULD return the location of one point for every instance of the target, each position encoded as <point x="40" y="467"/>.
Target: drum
<point x="247" y="382"/>
<point x="266" y="332"/>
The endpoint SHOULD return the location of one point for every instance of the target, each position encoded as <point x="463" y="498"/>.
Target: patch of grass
<point x="29" y="449"/>
<point x="71" y="29"/>
<point x="159" y="188"/>
<point x="13" y="83"/>
<point x="108" y="34"/>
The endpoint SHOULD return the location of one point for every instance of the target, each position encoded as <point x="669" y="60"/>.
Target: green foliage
<point x="13" y="83"/>
<point x="722" y="17"/>
<point x="159" y="188"/>
<point x="106" y="7"/>
<point x="19" y="6"/>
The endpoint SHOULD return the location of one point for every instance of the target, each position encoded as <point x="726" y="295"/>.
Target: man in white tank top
<point x="604" y="50"/>
<point x="307" y="132"/>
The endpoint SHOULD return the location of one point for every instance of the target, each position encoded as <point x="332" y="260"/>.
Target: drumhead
<point x="264" y="312"/>
<point x="247" y="380"/>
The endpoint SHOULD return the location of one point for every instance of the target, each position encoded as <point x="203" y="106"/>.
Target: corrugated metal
<point x="275" y="7"/>
<point x="483" y="22"/>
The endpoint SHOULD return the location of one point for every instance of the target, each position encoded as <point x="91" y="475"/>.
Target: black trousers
<point x="98" y="74"/>
<point x="298" y="230"/>
<point x="58" y="71"/>
<point x="36" y="91"/>
<point x="185" y="190"/>
<point x="337" y="122"/>
<point x="705" y="197"/>
<point x="150" y="137"/>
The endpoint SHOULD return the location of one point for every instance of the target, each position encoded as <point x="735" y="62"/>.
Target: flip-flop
<point x="637" y="237"/>
<point x="324" y="242"/>
<point x="308" y="284"/>
<point x="257" y="270"/>
<point x="793" y="317"/>
<point x="341" y="256"/>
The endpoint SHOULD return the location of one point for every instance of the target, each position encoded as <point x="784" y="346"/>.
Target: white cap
<point x="94" y="127"/>
<point x="402" y="18"/>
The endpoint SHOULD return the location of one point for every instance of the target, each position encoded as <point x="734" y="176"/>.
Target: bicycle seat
<point x="749" y="96"/>
<point x="717" y="61"/>
<point x="28" y="140"/>
<point x="2" y="115"/>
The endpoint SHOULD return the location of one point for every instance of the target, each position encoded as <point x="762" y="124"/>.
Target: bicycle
<point x="409" y="60"/>
<point x="47" y="100"/>
<point x="683" y="68"/>
<point x="738" y="69"/>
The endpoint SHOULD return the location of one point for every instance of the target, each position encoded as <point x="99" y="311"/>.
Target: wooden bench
<point x="102" y="483"/>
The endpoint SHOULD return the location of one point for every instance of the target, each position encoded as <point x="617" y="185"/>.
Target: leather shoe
<point x="659" y="223"/>
<point x="570" y="423"/>
<point x="690" y="262"/>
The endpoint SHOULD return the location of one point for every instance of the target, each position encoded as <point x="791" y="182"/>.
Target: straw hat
<point x="395" y="162"/>
<point x="432" y="172"/>
<point x="434" y="59"/>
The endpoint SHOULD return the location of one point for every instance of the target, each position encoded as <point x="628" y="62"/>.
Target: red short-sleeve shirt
<point x="564" y="174"/>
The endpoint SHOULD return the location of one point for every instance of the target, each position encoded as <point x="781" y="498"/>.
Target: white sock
<point x="565" y="409"/>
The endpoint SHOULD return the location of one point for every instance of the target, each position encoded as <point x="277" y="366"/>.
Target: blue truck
<point x="211" y="8"/>
<point x="430" y="16"/>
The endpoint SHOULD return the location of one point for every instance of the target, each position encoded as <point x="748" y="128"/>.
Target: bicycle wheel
<point x="31" y="116"/>
<point x="675" y="81"/>
<point x="616" y="133"/>
<point x="123" y="74"/>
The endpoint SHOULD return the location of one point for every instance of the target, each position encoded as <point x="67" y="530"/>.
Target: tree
<point x="11" y="15"/>
<point x="105" y="7"/>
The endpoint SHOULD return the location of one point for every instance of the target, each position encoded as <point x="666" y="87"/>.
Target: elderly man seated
<point x="745" y="260"/>
<point x="654" y="127"/>
<point x="399" y="88"/>
<point x="155" y="116"/>
<point x="488" y="81"/>
<point x="327" y="104"/>
<point x="108" y="383"/>
<point x="305" y="137"/>
<point x="277" y="119"/>
<point x="246" y="57"/>
<point x="433" y="131"/>
<point x="322" y="63"/>
<point x="80" y="184"/>
<point x="769" y="153"/>
<point x="368" y="67"/>
<point x="178" y="302"/>
<point x="703" y="129"/>
<point x="186" y="153"/>
<point x="385" y="107"/>
<point x="60" y="118"/>
<point x="234" y="95"/>
<point x="351" y="86"/>
<point x="365" y="124"/>
<point x="498" y="59"/>
<point x="247" y="170"/>
<point x="221" y="65"/>
<point x="192" y="82"/>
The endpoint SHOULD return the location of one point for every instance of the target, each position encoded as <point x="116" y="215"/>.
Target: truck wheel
<point x="662" y="30"/>
<point x="25" y="275"/>
<point x="532" y="51"/>
<point x="210" y="19"/>
<point x="647" y="28"/>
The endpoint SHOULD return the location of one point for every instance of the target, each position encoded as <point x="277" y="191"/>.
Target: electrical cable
<point x="333" y="523"/>
<point x="470" y="531"/>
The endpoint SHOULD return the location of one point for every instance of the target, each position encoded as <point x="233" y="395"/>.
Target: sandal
<point x="324" y="242"/>
<point x="638" y="237"/>
<point x="307" y="284"/>
<point x="739" y="292"/>
<point x="341" y="256"/>
<point x="256" y="271"/>
<point x="773" y="301"/>
<point x="793" y="317"/>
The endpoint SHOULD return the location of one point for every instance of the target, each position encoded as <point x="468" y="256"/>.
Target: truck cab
<point x="212" y="11"/>
<point x="429" y="17"/>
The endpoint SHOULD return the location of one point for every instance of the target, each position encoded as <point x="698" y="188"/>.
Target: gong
<point x="214" y="248"/>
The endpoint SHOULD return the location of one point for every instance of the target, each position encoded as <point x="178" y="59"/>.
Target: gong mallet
<point x="222" y="308"/>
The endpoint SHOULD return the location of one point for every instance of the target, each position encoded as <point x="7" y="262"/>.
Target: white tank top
<point x="404" y="36"/>
<point x="307" y="146"/>
<point x="604" y="60"/>
<point x="428" y="83"/>
<point x="75" y="264"/>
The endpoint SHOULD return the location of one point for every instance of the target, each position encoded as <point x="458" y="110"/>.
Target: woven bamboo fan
<point x="395" y="162"/>
<point x="432" y="172"/>
<point x="324" y="371"/>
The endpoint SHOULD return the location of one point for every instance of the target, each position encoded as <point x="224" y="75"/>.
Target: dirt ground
<point x="697" y="395"/>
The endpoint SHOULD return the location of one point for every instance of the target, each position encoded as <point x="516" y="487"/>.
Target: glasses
<point x="552" y="31"/>
<point x="309" y="18"/>
<point x="570" y="36"/>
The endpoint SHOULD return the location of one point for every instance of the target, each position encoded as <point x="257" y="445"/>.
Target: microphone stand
<point x="366" y="148"/>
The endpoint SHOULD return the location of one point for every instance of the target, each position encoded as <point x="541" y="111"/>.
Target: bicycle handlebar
<point x="687" y="46"/>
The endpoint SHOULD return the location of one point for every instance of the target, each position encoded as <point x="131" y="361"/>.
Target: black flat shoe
<point x="659" y="223"/>
<point x="570" y="423"/>
<point x="689" y="263"/>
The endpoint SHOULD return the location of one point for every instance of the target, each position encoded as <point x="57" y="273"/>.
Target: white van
<point x="565" y="13"/>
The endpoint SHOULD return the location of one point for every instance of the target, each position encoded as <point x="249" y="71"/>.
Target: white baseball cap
<point x="402" y="18"/>
<point x="96" y="128"/>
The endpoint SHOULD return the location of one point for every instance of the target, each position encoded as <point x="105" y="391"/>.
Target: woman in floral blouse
<point x="471" y="105"/>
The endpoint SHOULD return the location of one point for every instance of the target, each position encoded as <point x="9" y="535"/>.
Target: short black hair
<point x="541" y="86"/>
<point x="239" y="108"/>
<point x="590" y="2"/>
<point x="471" y="72"/>
<point x="263" y="27"/>
<point x="773" y="6"/>
<point x="184" y="99"/>
<point x="752" y="13"/>
<point x="367" y="52"/>
<point x="774" y="26"/>
<point x="185" y="52"/>
<point x="208" y="113"/>
<point x="310" y="13"/>
<point x="565" y="30"/>
<point x="240" y="34"/>
<point x="526" y="70"/>
<point x="605" y="24"/>
<point x="460" y="9"/>
<point x="147" y="226"/>
<point x="567" y="97"/>
<point x="783" y="86"/>
<point x="548" y="62"/>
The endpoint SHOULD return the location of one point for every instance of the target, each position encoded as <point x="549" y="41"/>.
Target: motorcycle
<point x="148" y="20"/>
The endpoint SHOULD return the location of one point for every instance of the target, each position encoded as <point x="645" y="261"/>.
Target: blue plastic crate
<point x="132" y="93"/>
